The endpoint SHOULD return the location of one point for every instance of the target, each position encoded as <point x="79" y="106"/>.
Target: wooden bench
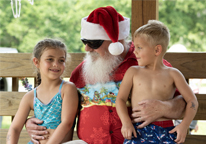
<point x="192" y="65"/>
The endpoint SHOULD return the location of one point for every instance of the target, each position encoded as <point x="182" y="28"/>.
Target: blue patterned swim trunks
<point x="152" y="134"/>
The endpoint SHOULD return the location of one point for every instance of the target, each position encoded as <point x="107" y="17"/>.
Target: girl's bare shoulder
<point x="28" y="98"/>
<point x="68" y="85"/>
<point x="68" y="88"/>
<point x="29" y="94"/>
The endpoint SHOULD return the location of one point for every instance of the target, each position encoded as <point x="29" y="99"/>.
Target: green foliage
<point x="50" y="19"/>
<point x="186" y="21"/>
<point x="62" y="20"/>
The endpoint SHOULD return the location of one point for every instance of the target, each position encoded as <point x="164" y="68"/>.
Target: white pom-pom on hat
<point x="116" y="48"/>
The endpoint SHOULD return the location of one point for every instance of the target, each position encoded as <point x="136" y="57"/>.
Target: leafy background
<point x="62" y="19"/>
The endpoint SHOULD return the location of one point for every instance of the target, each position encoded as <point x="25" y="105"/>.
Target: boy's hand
<point x="181" y="131"/>
<point x="127" y="131"/>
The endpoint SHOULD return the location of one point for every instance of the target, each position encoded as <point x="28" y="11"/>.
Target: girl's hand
<point x="36" y="132"/>
<point x="181" y="131"/>
<point x="127" y="131"/>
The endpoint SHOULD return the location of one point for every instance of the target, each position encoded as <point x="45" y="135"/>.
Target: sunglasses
<point x="94" y="44"/>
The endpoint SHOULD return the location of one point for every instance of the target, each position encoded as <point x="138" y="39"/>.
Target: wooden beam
<point x="20" y="64"/>
<point x="201" y="112"/>
<point x="195" y="139"/>
<point x="9" y="103"/>
<point x="192" y="65"/>
<point x="24" y="137"/>
<point x="142" y="11"/>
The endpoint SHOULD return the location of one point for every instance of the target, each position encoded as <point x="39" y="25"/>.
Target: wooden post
<point x="142" y="11"/>
<point x="15" y="86"/>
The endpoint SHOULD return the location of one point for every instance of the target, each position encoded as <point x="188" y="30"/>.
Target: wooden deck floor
<point x="24" y="137"/>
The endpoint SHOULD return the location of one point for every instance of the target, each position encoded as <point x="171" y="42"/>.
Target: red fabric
<point x="101" y="124"/>
<point x="76" y="76"/>
<point x="164" y="124"/>
<point x="109" y="19"/>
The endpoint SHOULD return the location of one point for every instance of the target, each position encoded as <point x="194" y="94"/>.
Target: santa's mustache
<point x="98" y="69"/>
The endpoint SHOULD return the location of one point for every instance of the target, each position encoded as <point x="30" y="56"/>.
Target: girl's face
<point x="52" y="63"/>
<point x="144" y="51"/>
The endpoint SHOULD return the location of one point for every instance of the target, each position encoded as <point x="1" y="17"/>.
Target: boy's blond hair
<point x="156" y="33"/>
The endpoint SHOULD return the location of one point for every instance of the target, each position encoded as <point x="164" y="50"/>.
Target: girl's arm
<point x="25" y="106"/>
<point x="124" y="91"/>
<point x="69" y="111"/>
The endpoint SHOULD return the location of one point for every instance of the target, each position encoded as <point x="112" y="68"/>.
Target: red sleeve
<point x="165" y="62"/>
<point x="76" y="76"/>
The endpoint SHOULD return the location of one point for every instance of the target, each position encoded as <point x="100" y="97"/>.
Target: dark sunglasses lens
<point x="94" y="44"/>
<point x="84" y="41"/>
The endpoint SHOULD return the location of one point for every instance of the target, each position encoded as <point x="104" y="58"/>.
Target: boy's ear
<point x="158" y="50"/>
<point x="36" y="62"/>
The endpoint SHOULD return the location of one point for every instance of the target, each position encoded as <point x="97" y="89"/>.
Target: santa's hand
<point x="147" y="112"/>
<point x="35" y="131"/>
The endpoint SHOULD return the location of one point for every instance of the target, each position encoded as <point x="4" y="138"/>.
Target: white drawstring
<point x="31" y="2"/>
<point x="18" y="8"/>
<point x="16" y="5"/>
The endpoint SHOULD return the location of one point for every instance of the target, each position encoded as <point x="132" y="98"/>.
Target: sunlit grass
<point x="6" y="122"/>
<point x="201" y="128"/>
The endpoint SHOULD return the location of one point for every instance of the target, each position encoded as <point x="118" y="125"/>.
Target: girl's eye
<point x="139" y="47"/>
<point x="62" y="61"/>
<point x="50" y="59"/>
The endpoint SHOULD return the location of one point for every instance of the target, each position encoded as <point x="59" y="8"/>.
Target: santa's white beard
<point x="98" y="69"/>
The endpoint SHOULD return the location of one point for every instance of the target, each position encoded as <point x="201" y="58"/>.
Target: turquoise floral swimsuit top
<point x="49" y="113"/>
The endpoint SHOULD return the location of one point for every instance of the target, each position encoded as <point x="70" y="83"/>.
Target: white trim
<point x="95" y="31"/>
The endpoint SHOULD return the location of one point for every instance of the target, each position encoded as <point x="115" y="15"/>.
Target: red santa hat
<point x="105" y="23"/>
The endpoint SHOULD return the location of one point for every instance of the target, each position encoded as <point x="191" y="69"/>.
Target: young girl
<point x="54" y="101"/>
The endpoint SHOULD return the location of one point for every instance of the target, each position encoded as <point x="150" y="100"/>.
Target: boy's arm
<point x="191" y="107"/>
<point x="123" y="94"/>
<point x="188" y="95"/>
<point x="69" y="111"/>
<point x="19" y="119"/>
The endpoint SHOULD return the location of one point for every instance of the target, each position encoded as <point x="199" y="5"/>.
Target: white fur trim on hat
<point x="94" y="31"/>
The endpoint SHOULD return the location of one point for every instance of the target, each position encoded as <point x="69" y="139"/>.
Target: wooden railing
<point x="192" y="65"/>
